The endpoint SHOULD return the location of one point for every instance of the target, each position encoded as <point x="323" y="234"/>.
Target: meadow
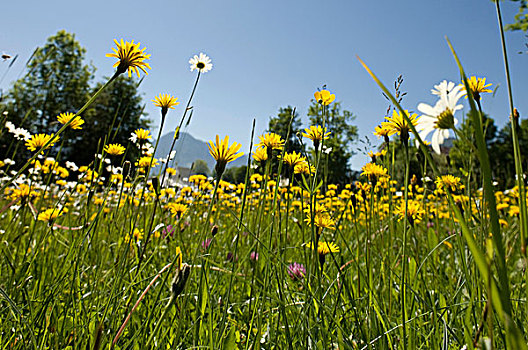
<point x="114" y="255"/>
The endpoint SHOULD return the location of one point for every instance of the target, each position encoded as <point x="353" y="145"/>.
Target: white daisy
<point x="201" y="62"/>
<point x="440" y="118"/>
<point x="444" y="86"/>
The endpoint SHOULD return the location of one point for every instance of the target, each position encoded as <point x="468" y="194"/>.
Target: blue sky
<point x="268" y="54"/>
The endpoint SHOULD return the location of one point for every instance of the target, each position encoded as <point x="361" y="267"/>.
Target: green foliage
<point x="200" y="168"/>
<point x="58" y="81"/>
<point x="521" y="18"/>
<point x="279" y="125"/>
<point x="235" y="175"/>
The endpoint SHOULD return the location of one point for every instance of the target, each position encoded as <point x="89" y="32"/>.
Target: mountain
<point x="189" y="149"/>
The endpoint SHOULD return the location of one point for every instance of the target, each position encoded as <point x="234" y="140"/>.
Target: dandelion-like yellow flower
<point x="373" y="171"/>
<point x="477" y="86"/>
<point x="142" y="134"/>
<point x="177" y="209"/>
<point x="414" y="214"/>
<point x="223" y="153"/>
<point x="64" y="118"/>
<point x="23" y="191"/>
<point x="260" y="154"/>
<point x="304" y="168"/>
<point x="448" y="181"/>
<point x="321" y="220"/>
<point x="397" y="124"/>
<point x="293" y="159"/>
<point x="50" y="214"/>
<point x="382" y="131"/>
<point x="130" y="57"/>
<point x="165" y="101"/>
<point x="271" y="141"/>
<point x="114" y="149"/>
<point x="37" y="141"/>
<point x="316" y="133"/>
<point x="144" y="162"/>
<point x="324" y="97"/>
<point x="324" y="248"/>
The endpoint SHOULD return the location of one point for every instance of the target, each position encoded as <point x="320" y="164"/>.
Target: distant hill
<point x="188" y="149"/>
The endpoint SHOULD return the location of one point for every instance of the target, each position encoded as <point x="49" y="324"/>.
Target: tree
<point x="200" y="168"/>
<point x="343" y="134"/>
<point x="57" y="81"/>
<point x="521" y="18"/>
<point x="112" y="118"/>
<point x="280" y="124"/>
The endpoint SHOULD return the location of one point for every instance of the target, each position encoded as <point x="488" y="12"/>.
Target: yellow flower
<point x="448" y="181"/>
<point x="142" y="134"/>
<point x="37" y="141"/>
<point x="130" y="57"/>
<point x="397" y="123"/>
<point x="23" y="191"/>
<point x="324" y="97"/>
<point x="114" y="149"/>
<point x="321" y="220"/>
<point x="324" y="248"/>
<point x="223" y="153"/>
<point x="304" y="168"/>
<point x="165" y="101"/>
<point x="177" y="209"/>
<point x="270" y="141"/>
<point x="50" y="214"/>
<point x="260" y="154"/>
<point x="373" y="171"/>
<point x="144" y="162"/>
<point x="179" y="258"/>
<point x="64" y="118"/>
<point x="414" y="214"/>
<point x="381" y="131"/>
<point x="316" y="133"/>
<point x="477" y="86"/>
<point x="293" y="159"/>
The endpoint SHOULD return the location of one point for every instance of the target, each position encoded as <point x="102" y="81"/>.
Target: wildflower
<point x="296" y="271"/>
<point x="293" y="159"/>
<point x="477" y="86"/>
<point x="130" y="58"/>
<point x="23" y="191"/>
<point x="440" y="118"/>
<point x="414" y="213"/>
<point x="322" y="220"/>
<point x="373" y="172"/>
<point x="324" y="97"/>
<point x="316" y="133"/>
<point x="223" y="153"/>
<point x="448" y="181"/>
<point x="201" y="63"/>
<point x="37" y="141"/>
<point x="382" y="131"/>
<point x="324" y="248"/>
<point x="442" y="87"/>
<point x="165" y="101"/>
<point x="177" y="209"/>
<point x="270" y="141"/>
<point x="145" y="162"/>
<point x="206" y="243"/>
<point x="75" y="124"/>
<point x="50" y="214"/>
<point x="260" y="154"/>
<point x="114" y="149"/>
<point x="304" y="168"/>
<point x="141" y="135"/>
<point x="397" y="124"/>
<point x="253" y="256"/>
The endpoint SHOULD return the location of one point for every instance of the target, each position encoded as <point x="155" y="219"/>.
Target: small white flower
<point x="8" y="161"/>
<point x="72" y="166"/>
<point x="133" y="138"/>
<point x="172" y="155"/>
<point x="201" y="62"/>
<point x="444" y="86"/>
<point x="10" y="126"/>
